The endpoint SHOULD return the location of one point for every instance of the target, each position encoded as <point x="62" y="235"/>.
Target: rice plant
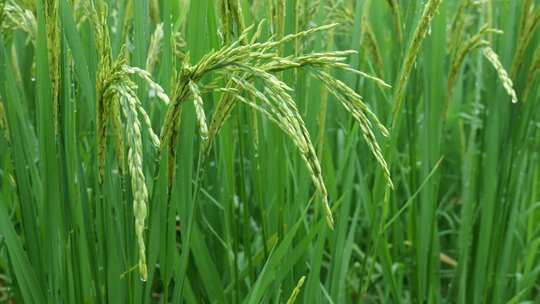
<point x="269" y="151"/>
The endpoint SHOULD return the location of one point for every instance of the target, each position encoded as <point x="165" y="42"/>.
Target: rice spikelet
<point x="296" y="290"/>
<point x="199" y="110"/>
<point x="154" y="48"/>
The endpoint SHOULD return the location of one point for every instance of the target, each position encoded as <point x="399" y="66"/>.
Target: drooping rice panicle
<point x="15" y="17"/>
<point x="354" y="104"/>
<point x="121" y="89"/>
<point x="257" y="60"/>
<point x="473" y="43"/>
<point x="463" y="49"/>
<point x="501" y="72"/>
<point x="115" y="91"/>
<point x="129" y="103"/>
<point x="279" y="106"/>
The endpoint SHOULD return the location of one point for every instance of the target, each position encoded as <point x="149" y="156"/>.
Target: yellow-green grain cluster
<point x="245" y="60"/>
<point x="501" y="72"/>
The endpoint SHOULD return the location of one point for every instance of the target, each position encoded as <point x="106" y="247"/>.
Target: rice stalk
<point x="501" y="72"/>
<point x="236" y="9"/>
<point x="3" y="121"/>
<point x="53" y="44"/>
<point x="280" y="21"/>
<point x="154" y="10"/>
<point x="220" y="115"/>
<point x="324" y="101"/>
<point x="127" y="22"/>
<point x="2" y="12"/>
<point x="225" y="104"/>
<point x="396" y="15"/>
<point x="534" y="69"/>
<point x="458" y="27"/>
<point x="226" y="26"/>
<point x="412" y="52"/>
<point x="530" y="21"/>
<point x="370" y="44"/>
<point x="107" y="73"/>
<point x="172" y="119"/>
<point x="524" y="16"/>
<point x="368" y="41"/>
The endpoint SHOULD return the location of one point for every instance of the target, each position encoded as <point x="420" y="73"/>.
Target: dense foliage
<point x="269" y="151"/>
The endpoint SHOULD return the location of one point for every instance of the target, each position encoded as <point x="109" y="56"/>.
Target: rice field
<point x="269" y="151"/>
